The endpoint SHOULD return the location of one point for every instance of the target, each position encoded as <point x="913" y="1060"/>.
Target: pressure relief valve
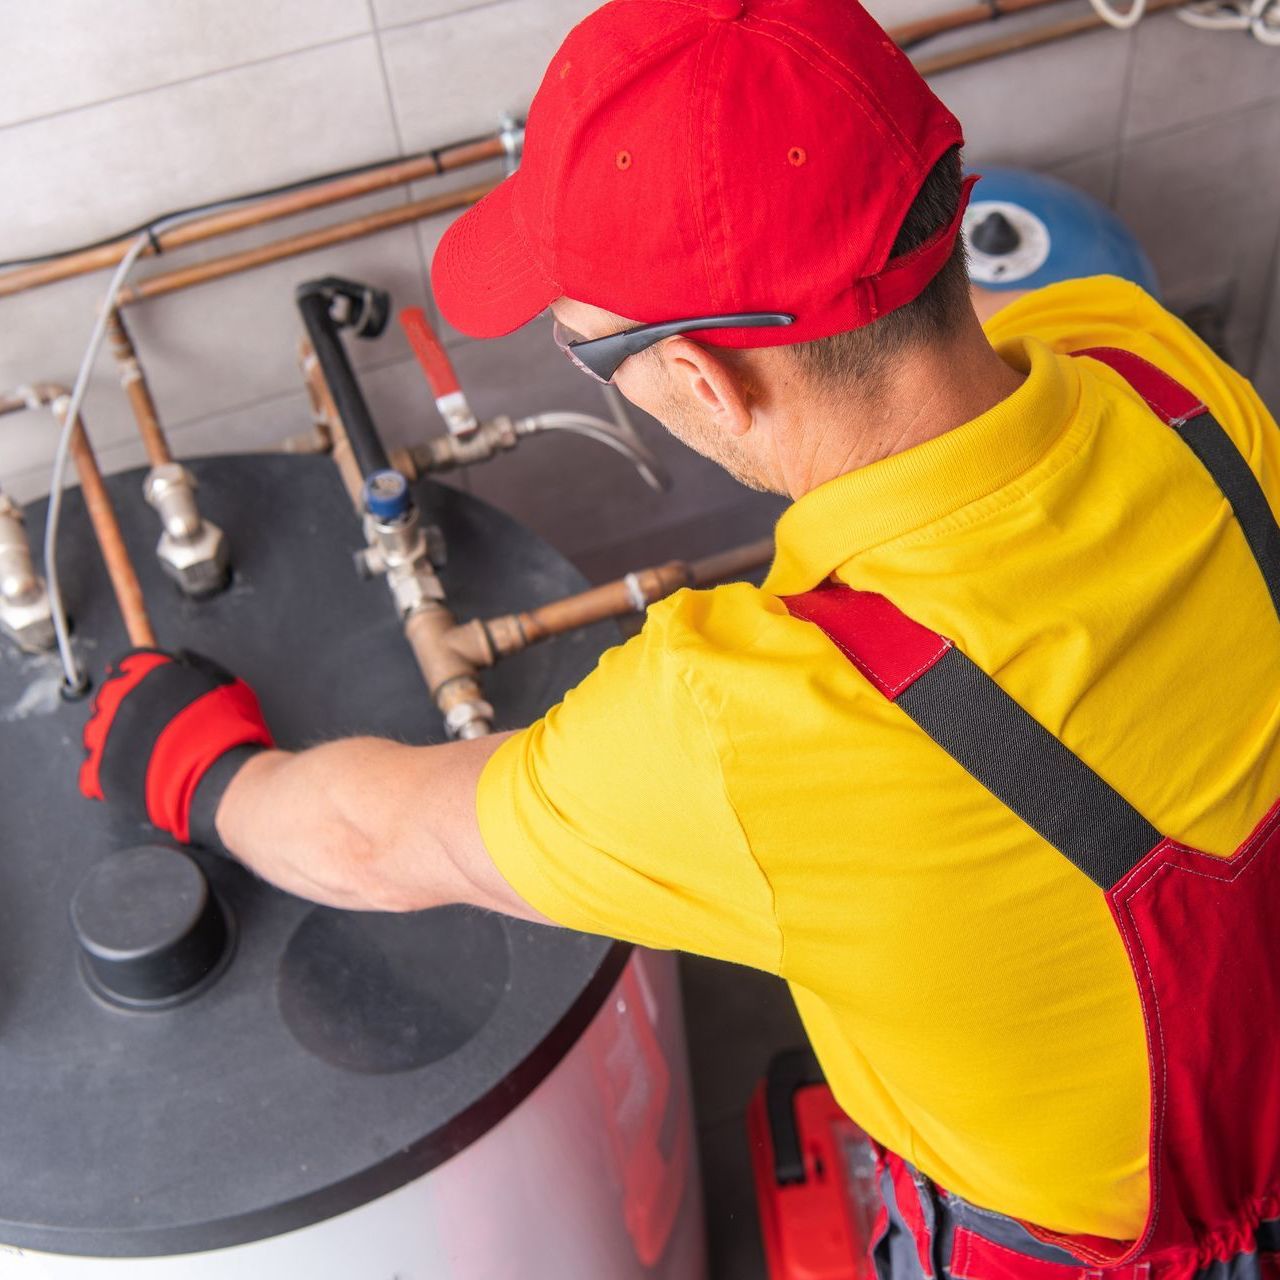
<point x="399" y="547"/>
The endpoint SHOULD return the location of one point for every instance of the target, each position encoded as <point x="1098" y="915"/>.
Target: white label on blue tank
<point x="1024" y="259"/>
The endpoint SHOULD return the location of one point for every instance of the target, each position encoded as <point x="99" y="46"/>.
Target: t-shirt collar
<point x="906" y="491"/>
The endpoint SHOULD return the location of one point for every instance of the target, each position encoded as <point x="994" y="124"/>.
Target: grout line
<point x="386" y="81"/>
<point x="419" y="254"/>
<point x="1209" y="117"/>
<point x="1122" y="116"/>
<point x="203" y="75"/>
<point x="436" y="17"/>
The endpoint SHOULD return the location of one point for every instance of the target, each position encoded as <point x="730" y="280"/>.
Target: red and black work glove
<point x="167" y="734"/>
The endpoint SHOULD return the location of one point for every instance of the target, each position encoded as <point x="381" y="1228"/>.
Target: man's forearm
<point x="367" y="824"/>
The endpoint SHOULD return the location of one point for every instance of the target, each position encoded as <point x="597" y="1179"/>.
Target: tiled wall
<point x="116" y="110"/>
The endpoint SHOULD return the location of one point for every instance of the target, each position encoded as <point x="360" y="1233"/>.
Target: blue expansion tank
<point x="1025" y="230"/>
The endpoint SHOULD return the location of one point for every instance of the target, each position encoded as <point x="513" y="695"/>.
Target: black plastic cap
<point x="150" y="931"/>
<point x="995" y="235"/>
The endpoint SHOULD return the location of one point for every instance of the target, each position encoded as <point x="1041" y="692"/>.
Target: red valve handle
<point x="431" y="354"/>
<point x="440" y="372"/>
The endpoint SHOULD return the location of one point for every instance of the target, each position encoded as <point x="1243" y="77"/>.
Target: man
<point x="1050" y="588"/>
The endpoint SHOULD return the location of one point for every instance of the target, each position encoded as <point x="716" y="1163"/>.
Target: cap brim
<point x="484" y="276"/>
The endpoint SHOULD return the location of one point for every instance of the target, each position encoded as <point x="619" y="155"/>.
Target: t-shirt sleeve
<point x="610" y="814"/>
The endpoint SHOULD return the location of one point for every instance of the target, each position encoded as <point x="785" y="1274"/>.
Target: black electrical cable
<point x="146" y="228"/>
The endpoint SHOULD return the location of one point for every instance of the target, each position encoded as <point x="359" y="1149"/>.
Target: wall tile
<point x="205" y="350"/>
<point x="1044" y="106"/>
<point x="116" y="47"/>
<point x="454" y="78"/>
<point x="233" y="341"/>
<point x="89" y="173"/>
<point x="1206" y="211"/>
<point x="1094" y="174"/>
<point x="1181" y="74"/>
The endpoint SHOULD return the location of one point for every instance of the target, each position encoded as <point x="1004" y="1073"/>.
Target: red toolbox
<point x="814" y="1174"/>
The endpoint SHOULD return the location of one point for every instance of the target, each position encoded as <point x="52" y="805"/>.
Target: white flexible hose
<point x="603" y="433"/>
<point x="1264" y="22"/>
<point x="73" y="678"/>
<point x="1260" y="18"/>
<point x="1114" y="18"/>
<point x="1215" y="16"/>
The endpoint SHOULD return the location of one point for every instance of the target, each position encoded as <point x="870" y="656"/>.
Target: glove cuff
<point x="208" y="795"/>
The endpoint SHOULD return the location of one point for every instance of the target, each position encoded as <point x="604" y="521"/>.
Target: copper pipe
<point x="304" y="242"/>
<point x="124" y="579"/>
<point x="428" y="631"/>
<point x="732" y="563"/>
<point x="449" y="674"/>
<point x="135" y="387"/>
<point x="482" y="643"/>
<point x="910" y="34"/>
<point x="255" y="213"/>
<point x="1024" y="40"/>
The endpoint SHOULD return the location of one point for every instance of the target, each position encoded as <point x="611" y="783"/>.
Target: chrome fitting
<point x="25" y="615"/>
<point x="511" y="135"/>
<point x="401" y="550"/>
<point x="470" y="719"/>
<point x="191" y="550"/>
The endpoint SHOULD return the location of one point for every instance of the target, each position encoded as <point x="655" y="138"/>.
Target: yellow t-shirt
<point x="727" y="783"/>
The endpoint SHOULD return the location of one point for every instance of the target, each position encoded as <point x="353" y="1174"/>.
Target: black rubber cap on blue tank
<point x="386" y="495"/>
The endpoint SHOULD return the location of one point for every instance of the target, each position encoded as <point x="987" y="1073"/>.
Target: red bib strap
<point x="983" y="730"/>
<point x="889" y="648"/>
<point x="1167" y="398"/>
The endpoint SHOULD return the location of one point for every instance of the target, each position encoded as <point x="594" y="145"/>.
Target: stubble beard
<point x="691" y="430"/>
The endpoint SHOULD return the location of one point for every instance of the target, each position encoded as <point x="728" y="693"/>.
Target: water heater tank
<point x="202" y="1077"/>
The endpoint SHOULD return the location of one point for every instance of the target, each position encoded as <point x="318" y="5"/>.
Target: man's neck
<point x="927" y="394"/>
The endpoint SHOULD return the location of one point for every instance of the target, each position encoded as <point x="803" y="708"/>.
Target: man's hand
<point x="362" y="824"/>
<point x="167" y="734"/>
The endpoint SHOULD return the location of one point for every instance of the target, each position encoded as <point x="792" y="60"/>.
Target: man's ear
<point x="713" y="380"/>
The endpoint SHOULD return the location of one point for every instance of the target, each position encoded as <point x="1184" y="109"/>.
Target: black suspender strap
<point x="1029" y="770"/>
<point x="986" y="731"/>
<point x="1203" y="434"/>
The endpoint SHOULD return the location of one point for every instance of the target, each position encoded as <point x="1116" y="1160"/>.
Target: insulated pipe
<point x="317" y="300"/>
<point x="124" y="579"/>
<point x="254" y="213"/>
<point x="292" y="246"/>
<point x="327" y="435"/>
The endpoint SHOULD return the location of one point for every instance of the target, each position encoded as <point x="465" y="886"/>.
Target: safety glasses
<point x="600" y="358"/>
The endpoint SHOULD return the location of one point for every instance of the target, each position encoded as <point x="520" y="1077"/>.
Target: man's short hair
<point x="861" y="358"/>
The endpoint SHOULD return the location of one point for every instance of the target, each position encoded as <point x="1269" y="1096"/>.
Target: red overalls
<point x="1212" y="1010"/>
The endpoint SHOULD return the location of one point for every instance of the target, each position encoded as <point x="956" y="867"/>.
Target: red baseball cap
<point x="708" y="157"/>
